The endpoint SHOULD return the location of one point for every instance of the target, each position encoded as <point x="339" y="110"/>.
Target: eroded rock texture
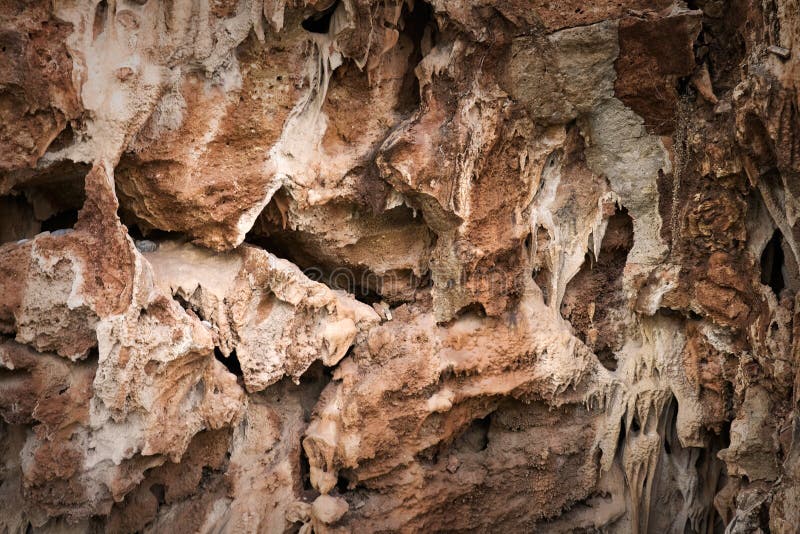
<point x="399" y="266"/>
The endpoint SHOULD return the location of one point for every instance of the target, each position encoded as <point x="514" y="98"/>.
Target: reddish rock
<point x="655" y="52"/>
<point x="271" y="266"/>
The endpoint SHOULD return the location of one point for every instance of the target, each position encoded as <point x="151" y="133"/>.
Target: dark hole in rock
<point x="607" y="358"/>
<point x="670" y="437"/>
<point x="63" y="140"/>
<point x="154" y="235"/>
<point x="231" y="363"/>
<point x="594" y="300"/>
<point x="17" y="220"/>
<point x="320" y="22"/>
<point x="159" y="492"/>
<point x="342" y="483"/>
<point x="476" y="437"/>
<point x="305" y="472"/>
<point x="772" y="264"/>
<point x="206" y="475"/>
<point x="476" y="309"/>
<point x="701" y="458"/>
<point x="60" y="221"/>
<point x="365" y="295"/>
<point x="635" y="426"/>
<point x="621" y="438"/>
<point x="315" y="274"/>
<point x="100" y="18"/>
<point x="419" y="25"/>
<point x="312" y="382"/>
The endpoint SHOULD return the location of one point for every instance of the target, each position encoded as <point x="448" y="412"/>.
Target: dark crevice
<point x="364" y="294"/>
<point x="231" y="362"/>
<point x="670" y="437"/>
<point x="342" y="483"/>
<point x="320" y="22"/>
<point x="594" y="300"/>
<point x="343" y="279"/>
<point x="635" y="426"/>
<point x="100" y="19"/>
<point x="312" y="382"/>
<point x="699" y="466"/>
<point x="474" y="309"/>
<point x="723" y="440"/>
<point x="476" y="437"/>
<point x="305" y="473"/>
<point x="63" y="140"/>
<point x="17" y="220"/>
<point x="11" y="374"/>
<point x="607" y="358"/>
<point x="58" y="188"/>
<point x="772" y="264"/>
<point x="684" y="84"/>
<point x="318" y="372"/>
<point x="701" y="458"/>
<point x="159" y="491"/>
<point x="206" y="476"/>
<point x="60" y="221"/>
<point x="138" y="233"/>
<point x="190" y="308"/>
<point x="621" y="440"/>
<point x="315" y="274"/>
<point x="542" y="275"/>
<point x="419" y="25"/>
<point x="93" y="356"/>
<point x="684" y="87"/>
<point x="473" y="439"/>
<point x="323" y="262"/>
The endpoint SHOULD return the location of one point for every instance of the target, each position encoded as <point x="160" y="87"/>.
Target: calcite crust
<point x="344" y="266"/>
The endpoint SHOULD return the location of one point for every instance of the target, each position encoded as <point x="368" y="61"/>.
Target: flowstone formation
<point x="344" y="266"/>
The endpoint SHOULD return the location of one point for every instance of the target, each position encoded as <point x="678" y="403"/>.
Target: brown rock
<point x="359" y="266"/>
<point x="653" y="55"/>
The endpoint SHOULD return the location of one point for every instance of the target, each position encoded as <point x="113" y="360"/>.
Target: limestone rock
<point x="263" y="308"/>
<point x="329" y="509"/>
<point x="404" y="266"/>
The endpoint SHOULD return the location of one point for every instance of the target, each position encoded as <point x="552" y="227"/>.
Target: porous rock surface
<point x="399" y="266"/>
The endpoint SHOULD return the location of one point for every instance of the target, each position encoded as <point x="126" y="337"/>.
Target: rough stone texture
<point x="403" y="266"/>
<point x="263" y="308"/>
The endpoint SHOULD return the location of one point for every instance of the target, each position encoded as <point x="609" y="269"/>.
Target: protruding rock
<point x="329" y="509"/>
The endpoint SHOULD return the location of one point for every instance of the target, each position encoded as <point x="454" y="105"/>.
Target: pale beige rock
<point x="275" y="319"/>
<point x="328" y="509"/>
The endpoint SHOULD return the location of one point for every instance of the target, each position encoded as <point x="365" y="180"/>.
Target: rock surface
<point x="403" y="266"/>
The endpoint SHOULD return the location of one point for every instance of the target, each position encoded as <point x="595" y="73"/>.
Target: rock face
<point x="401" y="266"/>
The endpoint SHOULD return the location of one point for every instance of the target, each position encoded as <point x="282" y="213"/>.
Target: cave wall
<point x="399" y="266"/>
